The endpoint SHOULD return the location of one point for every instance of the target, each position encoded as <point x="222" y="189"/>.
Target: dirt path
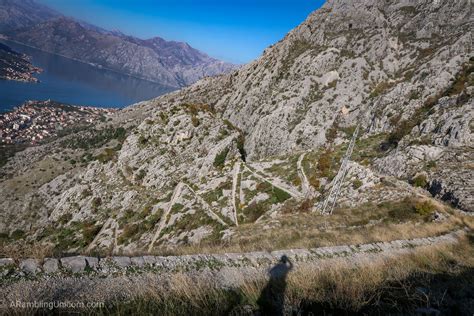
<point x="305" y="186"/>
<point x="235" y="179"/>
<point x="161" y="225"/>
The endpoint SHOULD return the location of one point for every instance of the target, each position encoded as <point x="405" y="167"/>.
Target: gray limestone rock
<point x="138" y="261"/>
<point x="6" y="262"/>
<point x="122" y="262"/>
<point x="51" y="265"/>
<point x="30" y="266"/>
<point x="74" y="264"/>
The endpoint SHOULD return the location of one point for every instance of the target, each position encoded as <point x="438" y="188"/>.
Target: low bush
<point x="279" y="196"/>
<point x="96" y="202"/>
<point x="420" y="181"/>
<point x="17" y="234"/>
<point x="129" y="231"/>
<point x="220" y="158"/>
<point x="356" y="184"/>
<point x="424" y="208"/>
<point x="140" y="175"/>
<point x="314" y="181"/>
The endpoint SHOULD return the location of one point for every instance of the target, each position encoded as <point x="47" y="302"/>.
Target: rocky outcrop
<point x="340" y="62"/>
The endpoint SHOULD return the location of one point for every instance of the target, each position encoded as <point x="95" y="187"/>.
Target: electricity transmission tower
<point x="330" y="201"/>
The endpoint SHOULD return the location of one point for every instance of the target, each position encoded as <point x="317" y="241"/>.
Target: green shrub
<point x="107" y="155"/>
<point x="96" y="138"/>
<point x="177" y="207"/>
<point x="279" y="196"/>
<point x="414" y="95"/>
<point x="196" y="108"/>
<point x="146" y="211"/>
<point x="96" y="202"/>
<point x="254" y="211"/>
<point x="89" y="231"/>
<point x="142" y="140"/>
<point x="17" y="234"/>
<point x="241" y="147"/>
<point x="314" y="181"/>
<point x="129" y="231"/>
<point x="4" y="236"/>
<point x="152" y="221"/>
<point x="381" y="88"/>
<point x="331" y="133"/>
<point x="140" y="175"/>
<point x="65" y="218"/>
<point x="356" y="184"/>
<point x="87" y="192"/>
<point x="219" y="160"/>
<point x="424" y="208"/>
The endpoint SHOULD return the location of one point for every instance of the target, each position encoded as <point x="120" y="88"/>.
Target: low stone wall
<point x="79" y="265"/>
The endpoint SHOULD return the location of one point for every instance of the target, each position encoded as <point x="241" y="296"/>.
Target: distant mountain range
<point x="15" y="14"/>
<point x="175" y="64"/>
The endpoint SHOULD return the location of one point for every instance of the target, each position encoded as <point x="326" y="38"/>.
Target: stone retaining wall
<point x="122" y="264"/>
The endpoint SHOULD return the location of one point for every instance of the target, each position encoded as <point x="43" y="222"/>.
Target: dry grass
<point x="20" y="250"/>
<point x="376" y="284"/>
<point x="361" y="225"/>
<point x="336" y="285"/>
<point x="346" y="227"/>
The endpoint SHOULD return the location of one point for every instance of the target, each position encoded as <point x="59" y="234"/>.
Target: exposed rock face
<point x="240" y="148"/>
<point x="170" y="63"/>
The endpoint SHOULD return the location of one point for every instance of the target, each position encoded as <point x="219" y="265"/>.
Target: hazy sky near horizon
<point x="235" y="31"/>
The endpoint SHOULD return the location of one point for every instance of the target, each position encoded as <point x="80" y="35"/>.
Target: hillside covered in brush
<point x="246" y="159"/>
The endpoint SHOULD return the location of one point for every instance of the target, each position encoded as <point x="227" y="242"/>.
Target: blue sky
<point x="235" y="31"/>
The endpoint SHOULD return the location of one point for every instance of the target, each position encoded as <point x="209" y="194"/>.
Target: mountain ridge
<point x="228" y="160"/>
<point x="171" y="63"/>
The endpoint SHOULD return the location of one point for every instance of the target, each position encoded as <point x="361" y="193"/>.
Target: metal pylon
<point x="330" y="202"/>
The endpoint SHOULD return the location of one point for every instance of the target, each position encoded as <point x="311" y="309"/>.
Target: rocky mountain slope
<point x="248" y="158"/>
